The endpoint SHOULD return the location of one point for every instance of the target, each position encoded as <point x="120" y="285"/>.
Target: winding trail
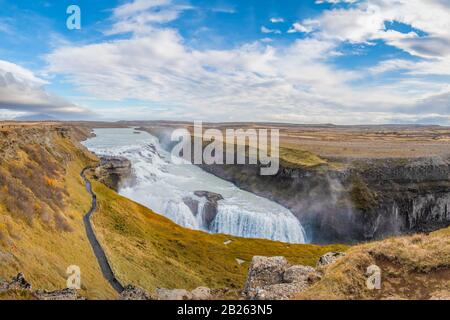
<point x="96" y="246"/>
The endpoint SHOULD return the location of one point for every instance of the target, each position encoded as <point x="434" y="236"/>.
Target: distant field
<point x="340" y="143"/>
<point x="327" y="141"/>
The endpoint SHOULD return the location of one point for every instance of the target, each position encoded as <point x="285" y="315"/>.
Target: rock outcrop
<point x="367" y="200"/>
<point x="131" y="292"/>
<point x="19" y="283"/>
<point x="193" y="204"/>
<point x="329" y="258"/>
<point x="200" y="293"/>
<point x="264" y="272"/>
<point x="175" y="294"/>
<point x="272" y="278"/>
<point x="64" y="294"/>
<point x="114" y="172"/>
<point x="209" y="208"/>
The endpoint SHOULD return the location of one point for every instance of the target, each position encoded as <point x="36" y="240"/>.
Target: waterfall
<point x="250" y="224"/>
<point x="163" y="187"/>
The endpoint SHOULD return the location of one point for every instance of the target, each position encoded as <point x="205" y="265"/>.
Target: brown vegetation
<point x="414" y="267"/>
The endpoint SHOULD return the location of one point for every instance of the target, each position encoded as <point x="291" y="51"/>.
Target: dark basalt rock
<point x="17" y="283"/>
<point x="114" y="172"/>
<point x="192" y="204"/>
<point x="210" y="196"/>
<point x="372" y="199"/>
<point x="210" y="209"/>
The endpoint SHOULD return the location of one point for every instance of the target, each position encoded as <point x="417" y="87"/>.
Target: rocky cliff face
<point x="365" y="199"/>
<point x="209" y="208"/>
<point x="114" y="172"/>
<point x="370" y="199"/>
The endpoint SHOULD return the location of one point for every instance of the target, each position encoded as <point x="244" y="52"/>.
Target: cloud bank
<point x="21" y="91"/>
<point x="152" y="63"/>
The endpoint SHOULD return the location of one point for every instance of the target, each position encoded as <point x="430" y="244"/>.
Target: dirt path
<point x="96" y="246"/>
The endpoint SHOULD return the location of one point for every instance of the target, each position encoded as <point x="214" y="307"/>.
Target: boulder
<point x="18" y="283"/>
<point x="131" y="292"/>
<point x="272" y="278"/>
<point x="114" y="172"/>
<point x="296" y="274"/>
<point x="264" y="271"/>
<point x="201" y="293"/>
<point x="175" y="294"/>
<point x="280" y="291"/>
<point x="65" y="294"/>
<point x="329" y="258"/>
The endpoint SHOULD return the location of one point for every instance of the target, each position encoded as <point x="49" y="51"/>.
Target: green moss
<point x="362" y="197"/>
<point x="299" y="158"/>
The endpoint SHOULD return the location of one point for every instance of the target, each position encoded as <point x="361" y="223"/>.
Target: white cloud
<point x="366" y="21"/>
<point x="20" y="74"/>
<point x="21" y="91"/>
<point x="224" y="9"/>
<point x="277" y="20"/>
<point x="306" y="26"/>
<point x="335" y="1"/>
<point x="267" y="30"/>
<point x="266" y="40"/>
<point x="142" y="16"/>
<point x="258" y="81"/>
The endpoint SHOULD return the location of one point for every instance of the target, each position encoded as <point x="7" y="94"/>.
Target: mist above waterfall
<point x="164" y="187"/>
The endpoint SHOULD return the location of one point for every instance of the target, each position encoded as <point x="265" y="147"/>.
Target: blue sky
<point x="309" y="61"/>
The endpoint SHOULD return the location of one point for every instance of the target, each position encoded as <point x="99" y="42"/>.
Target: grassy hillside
<point x="414" y="267"/>
<point x="149" y="250"/>
<point x="43" y="201"/>
<point x="42" y="204"/>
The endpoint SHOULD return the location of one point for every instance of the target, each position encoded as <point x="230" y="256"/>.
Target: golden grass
<point x="17" y="295"/>
<point x="148" y="250"/>
<point x="41" y="251"/>
<point x="413" y="267"/>
<point x="144" y="248"/>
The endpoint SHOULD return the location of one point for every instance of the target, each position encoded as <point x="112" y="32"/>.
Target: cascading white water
<point x="164" y="186"/>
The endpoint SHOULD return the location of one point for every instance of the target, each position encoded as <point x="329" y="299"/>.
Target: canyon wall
<point x="371" y="199"/>
<point x="351" y="200"/>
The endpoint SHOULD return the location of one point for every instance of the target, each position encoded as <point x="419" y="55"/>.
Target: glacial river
<point x="163" y="187"/>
